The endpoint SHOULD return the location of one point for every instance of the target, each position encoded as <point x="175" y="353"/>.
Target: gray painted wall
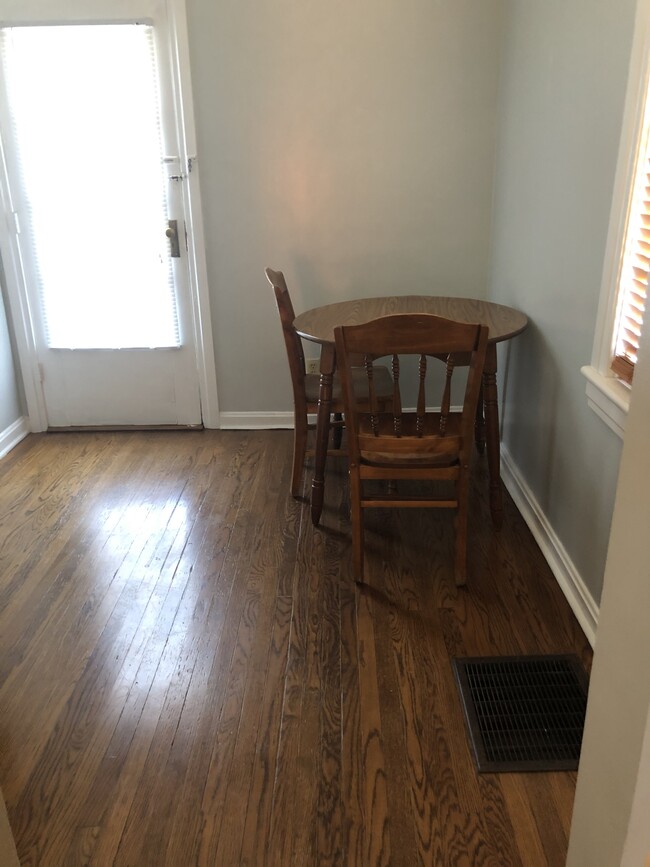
<point x="350" y="145"/>
<point x="10" y="402"/>
<point x="564" y="77"/>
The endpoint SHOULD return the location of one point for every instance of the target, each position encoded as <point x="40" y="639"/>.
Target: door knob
<point x="172" y="234"/>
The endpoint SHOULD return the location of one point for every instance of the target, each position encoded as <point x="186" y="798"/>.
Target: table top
<point x="318" y="324"/>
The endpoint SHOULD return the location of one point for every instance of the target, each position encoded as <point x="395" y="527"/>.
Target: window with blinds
<point x="619" y="333"/>
<point x="633" y="283"/>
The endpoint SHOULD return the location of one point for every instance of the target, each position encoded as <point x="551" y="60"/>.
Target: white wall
<point x="563" y="86"/>
<point x="614" y="776"/>
<point x="637" y="841"/>
<point x="350" y="144"/>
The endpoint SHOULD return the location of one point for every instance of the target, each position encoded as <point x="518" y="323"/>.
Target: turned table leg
<point x="479" y="423"/>
<point x="327" y="366"/>
<point x="492" y="434"/>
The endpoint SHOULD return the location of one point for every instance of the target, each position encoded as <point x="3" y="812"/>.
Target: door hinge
<point x="14" y="222"/>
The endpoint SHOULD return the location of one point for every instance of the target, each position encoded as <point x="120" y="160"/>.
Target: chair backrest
<point x="293" y="343"/>
<point x="387" y="435"/>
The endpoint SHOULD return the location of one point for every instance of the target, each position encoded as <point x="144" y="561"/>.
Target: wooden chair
<point x="306" y="386"/>
<point x="416" y="445"/>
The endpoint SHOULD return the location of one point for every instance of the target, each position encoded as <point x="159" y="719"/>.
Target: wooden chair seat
<point x="385" y="448"/>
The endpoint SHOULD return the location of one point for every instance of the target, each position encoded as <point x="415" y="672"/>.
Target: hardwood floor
<point x="189" y="676"/>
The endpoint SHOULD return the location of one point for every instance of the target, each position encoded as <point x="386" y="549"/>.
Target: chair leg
<point x="356" y="518"/>
<point x="299" y="451"/>
<point x="460" y="560"/>
<point x="479" y="423"/>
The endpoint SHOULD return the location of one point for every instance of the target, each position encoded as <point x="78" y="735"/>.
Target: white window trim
<point x="607" y="395"/>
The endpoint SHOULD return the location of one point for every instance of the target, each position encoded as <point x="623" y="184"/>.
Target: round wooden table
<point x="318" y="326"/>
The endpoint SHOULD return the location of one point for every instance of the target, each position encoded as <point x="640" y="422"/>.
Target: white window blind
<point x="84" y="115"/>
<point x="633" y="284"/>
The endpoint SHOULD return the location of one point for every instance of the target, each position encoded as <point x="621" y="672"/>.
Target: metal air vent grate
<point x="524" y="713"/>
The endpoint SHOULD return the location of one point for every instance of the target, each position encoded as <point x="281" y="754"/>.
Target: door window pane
<point x="85" y="118"/>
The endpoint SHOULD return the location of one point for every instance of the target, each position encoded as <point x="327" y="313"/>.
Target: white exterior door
<point x="96" y="191"/>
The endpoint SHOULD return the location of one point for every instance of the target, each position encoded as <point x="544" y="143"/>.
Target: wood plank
<point x="229" y="774"/>
<point x="104" y="594"/>
<point x="147" y="606"/>
<point x="151" y="816"/>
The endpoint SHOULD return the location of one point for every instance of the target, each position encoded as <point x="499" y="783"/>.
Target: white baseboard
<point x="12" y="435"/>
<point x="255" y="420"/>
<point x="567" y="576"/>
<point x="276" y="420"/>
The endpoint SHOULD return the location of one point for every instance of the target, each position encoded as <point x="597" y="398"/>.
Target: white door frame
<point x="20" y="313"/>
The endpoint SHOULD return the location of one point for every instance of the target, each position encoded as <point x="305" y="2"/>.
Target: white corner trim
<point x="255" y="420"/>
<point x="12" y="435"/>
<point x="191" y="190"/>
<point x="567" y="576"/>
<point x="608" y="398"/>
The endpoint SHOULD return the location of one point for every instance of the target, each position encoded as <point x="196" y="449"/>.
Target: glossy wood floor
<point x="188" y="676"/>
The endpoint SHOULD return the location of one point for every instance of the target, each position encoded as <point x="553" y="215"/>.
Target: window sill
<point x="608" y="398"/>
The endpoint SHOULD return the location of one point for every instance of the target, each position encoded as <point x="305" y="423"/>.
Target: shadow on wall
<point x="529" y="383"/>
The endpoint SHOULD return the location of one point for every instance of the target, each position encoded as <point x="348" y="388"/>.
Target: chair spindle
<point x="446" y="397"/>
<point x="372" y="395"/>
<point x="397" y="398"/>
<point x="422" y="401"/>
